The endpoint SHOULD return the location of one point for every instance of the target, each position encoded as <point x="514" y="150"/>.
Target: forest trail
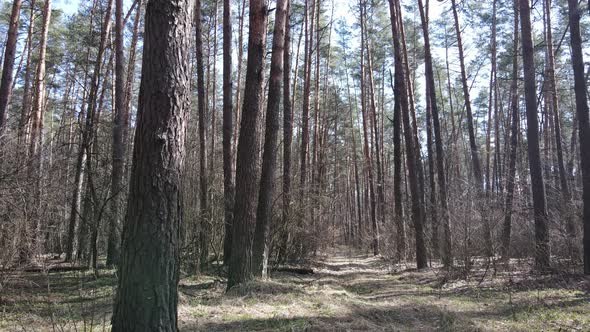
<point x="349" y="291"/>
<point x="352" y="291"/>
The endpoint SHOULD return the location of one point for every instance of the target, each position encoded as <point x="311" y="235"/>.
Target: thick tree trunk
<point x="260" y="249"/>
<point x="240" y="267"/>
<point x="147" y="294"/>
<point x="580" y="89"/>
<point x="542" y="253"/>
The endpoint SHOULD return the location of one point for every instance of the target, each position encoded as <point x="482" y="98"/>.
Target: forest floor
<point x="348" y="291"/>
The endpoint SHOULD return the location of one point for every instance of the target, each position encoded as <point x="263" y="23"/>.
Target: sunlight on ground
<point x="347" y="292"/>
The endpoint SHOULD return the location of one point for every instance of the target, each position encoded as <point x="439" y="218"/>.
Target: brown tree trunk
<point x="147" y="294"/>
<point x="8" y="65"/>
<point x="201" y="107"/>
<point x="472" y="143"/>
<point x="95" y="98"/>
<point x="25" y="111"/>
<point x="287" y="136"/>
<point x="260" y="249"/>
<point x="507" y="226"/>
<point x="542" y="253"/>
<point x="397" y="175"/>
<point x="447" y="252"/>
<point x="580" y="89"/>
<point x="228" y="182"/>
<point x="367" y="151"/>
<point x="306" y="93"/>
<point x="554" y="105"/>
<point x="38" y="112"/>
<point x="119" y="124"/>
<point x="240" y="267"/>
<point x="401" y="94"/>
<point x="240" y="45"/>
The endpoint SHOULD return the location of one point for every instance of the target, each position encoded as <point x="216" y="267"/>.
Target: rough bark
<point x="240" y="267"/>
<point x="260" y="249"/>
<point x="580" y="89"/>
<point x="147" y="293"/>
<point x="542" y="253"/>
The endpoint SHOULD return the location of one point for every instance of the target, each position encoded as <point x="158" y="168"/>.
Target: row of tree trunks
<point x="401" y="98"/>
<point x="260" y="250"/>
<point x="446" y="249"/>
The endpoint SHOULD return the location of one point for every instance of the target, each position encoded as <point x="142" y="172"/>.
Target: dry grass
<point x="348" y="292"/>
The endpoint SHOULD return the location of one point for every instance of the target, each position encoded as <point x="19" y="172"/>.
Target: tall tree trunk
<point x="367" y="150"/>
<point x="147" y="293"/>
<point x="554" y="104"/>
<point x="287" y="135"/>
<point x="510" y="180"/>
<point x="8" y="66"/>
<point x="23" y="130"/>
<point x="240" y="267"/>
<point x="472" y="143"/>
<point x="269" y="156"/>
<point x="228" y="182"/>
<point x="240" y="44"/>
<point x="119" y="124"/>
<point x="95" y="99"/>
<point x="397" y="175"/>
<point x="402" y="95"/>
<point x="580" y="89"/>
<point x="38" y="113"/>
<point x="542" y="253"/>
<point x="201" y="106"/>
<point x="447" y="252"/>
<point x="306" y="93"/>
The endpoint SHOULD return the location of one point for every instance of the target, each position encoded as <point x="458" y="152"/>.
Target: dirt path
<point x="349" y="291"/>
<point x="354" y="292"/>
